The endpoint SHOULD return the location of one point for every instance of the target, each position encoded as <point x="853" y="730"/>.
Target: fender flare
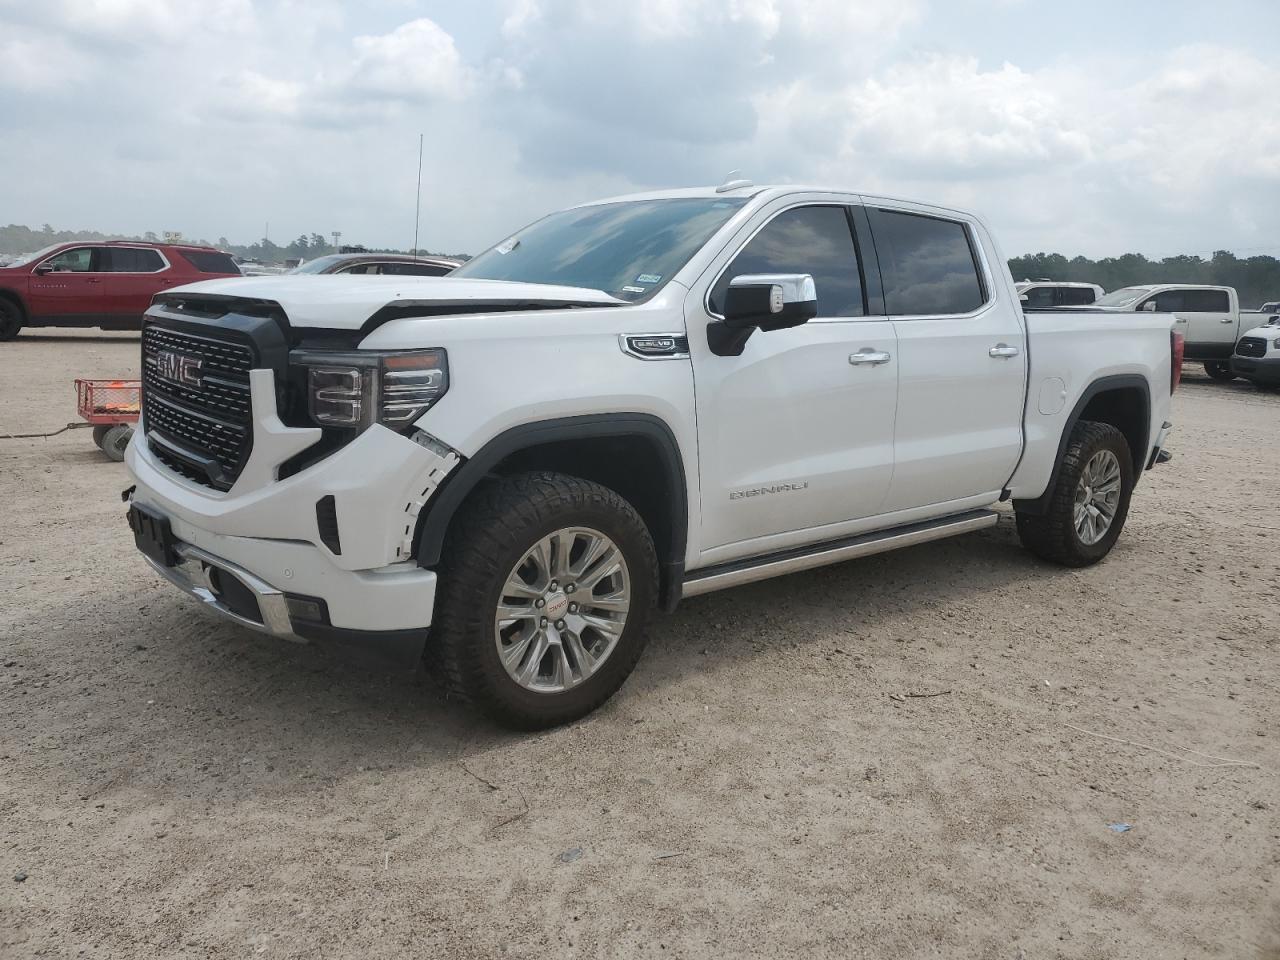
<point x="1039" y="505"/>
<point x="434" y="521"/>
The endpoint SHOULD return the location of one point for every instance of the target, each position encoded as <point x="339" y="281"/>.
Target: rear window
<point x="133" y="260"/>
<point x="927" y="264"/>
<point x="1078" y="296"/>
<point x="402" y="269"/>
<point x="210" y="261"/>
<point x="1205" y="301"/>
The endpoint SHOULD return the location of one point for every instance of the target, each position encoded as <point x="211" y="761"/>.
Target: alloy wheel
<point x="1097" y="497"/>
<point x="562" y="610"/>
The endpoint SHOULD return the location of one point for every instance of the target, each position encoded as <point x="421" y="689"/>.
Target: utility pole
<point x="417" y="201"/>
<point x="337" y="235"/>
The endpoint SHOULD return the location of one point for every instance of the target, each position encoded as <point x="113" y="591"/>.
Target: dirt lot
<point x="770" y="782"/>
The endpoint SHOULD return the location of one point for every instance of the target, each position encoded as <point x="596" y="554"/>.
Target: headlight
<point x="357" y="390"/>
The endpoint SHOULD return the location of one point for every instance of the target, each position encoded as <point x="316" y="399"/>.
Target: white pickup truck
<point x="1208" y="317"/>
<point x="506" y="471"/>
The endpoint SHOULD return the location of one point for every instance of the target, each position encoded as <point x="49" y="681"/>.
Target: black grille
<point x="202" y="429"/>
<point x="1251" y="347"/>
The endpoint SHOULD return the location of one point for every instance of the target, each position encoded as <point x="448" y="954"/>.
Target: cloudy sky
<point x="1086" y="127"/>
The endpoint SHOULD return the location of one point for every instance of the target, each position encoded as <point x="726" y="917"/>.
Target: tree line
<point x="1256" y="278"/>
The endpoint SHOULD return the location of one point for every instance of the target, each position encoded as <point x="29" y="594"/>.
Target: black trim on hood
<point x="211" y="306"/>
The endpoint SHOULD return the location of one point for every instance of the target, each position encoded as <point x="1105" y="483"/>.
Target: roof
<point x="147" y="243"/>
<point x="768" y="191"/>
<point x="393" y="257"/>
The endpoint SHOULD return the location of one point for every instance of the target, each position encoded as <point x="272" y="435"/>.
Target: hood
<point x="346" y="302"/>
<point x="1268" y="331"/>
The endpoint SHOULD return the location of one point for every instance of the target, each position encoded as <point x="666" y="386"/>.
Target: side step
<point x="738" y="572"/>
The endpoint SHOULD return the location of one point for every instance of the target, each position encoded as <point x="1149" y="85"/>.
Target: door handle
<point x="94" y="280"/>
<point x="869" y="356"/>
<point x="1003" y="350"/>
<point x="1226" y="320"/>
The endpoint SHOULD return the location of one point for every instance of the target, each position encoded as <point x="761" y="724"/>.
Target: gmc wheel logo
<point x="179" y="368"/>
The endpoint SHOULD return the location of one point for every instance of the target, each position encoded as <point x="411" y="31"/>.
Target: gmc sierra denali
<point x="508" y="470"/>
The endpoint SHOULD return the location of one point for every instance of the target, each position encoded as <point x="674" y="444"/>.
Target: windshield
<point x="627" y="249"/>
<point x="1122" y="297"/>
<point x="319" y="264"/>
<point x="29" y="257"/>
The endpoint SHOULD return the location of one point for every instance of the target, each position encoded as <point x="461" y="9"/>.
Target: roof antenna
<point x="733" y="181"/>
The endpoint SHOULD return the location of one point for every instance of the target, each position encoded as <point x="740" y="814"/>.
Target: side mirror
<point x="764" y="301"/>
<point x="43" y="269"/>
<point x="1024" y="298"/>
<point x="1150" y="306"/>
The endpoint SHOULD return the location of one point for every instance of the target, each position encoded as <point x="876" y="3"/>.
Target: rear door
<point x="961" y="360"/>
<point x="68" y="286"/>
<point x="133" y="276"/>
<point x="1205" y="318"/>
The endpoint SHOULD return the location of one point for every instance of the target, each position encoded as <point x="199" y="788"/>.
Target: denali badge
<point x="179" y="368"/>
<point x="769" y="488"/>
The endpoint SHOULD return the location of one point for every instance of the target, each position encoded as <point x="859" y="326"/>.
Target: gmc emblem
<point x="179" y="368"/>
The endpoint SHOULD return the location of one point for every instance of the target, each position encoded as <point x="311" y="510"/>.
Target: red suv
<point x="106" y="285"/>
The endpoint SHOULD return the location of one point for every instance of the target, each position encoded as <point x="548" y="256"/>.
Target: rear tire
<point x="115" y="440"/>
<point x="1096" y="479"/>
<point x="1219" y="370"/>
<point x="100" y="433"/>
<point x="528" y="627"/>
<point x="11" y="318"/>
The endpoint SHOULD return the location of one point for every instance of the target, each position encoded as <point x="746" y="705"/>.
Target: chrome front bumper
<point x="192" y="575"/>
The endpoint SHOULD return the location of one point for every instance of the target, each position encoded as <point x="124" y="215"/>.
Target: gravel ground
<point x="776" y="779"/>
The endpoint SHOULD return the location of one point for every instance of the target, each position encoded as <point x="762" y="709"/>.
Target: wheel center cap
<point x="557" y="605"/>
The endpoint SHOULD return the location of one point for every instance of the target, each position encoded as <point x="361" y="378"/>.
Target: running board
<point x="738" y="572"/>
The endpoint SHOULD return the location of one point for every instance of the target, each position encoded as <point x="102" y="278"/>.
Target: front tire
<point x="1219" y="370"/>
<point x="1090" y="499"/>
<point x="10" y="319"/>
<point x="547" y="585"/>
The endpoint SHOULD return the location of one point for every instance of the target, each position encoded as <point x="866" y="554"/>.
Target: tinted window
<point x="628" y="249"/>
<point x="319" y="264"/>
<point x="927" y="264"/>
<point x="813" y="240"/>
<point x="1038" y="297"/>
<point x="1078" y="296"/>
<point x="415" y="269"/>
<point x="133" y="260"/>
<point x="1205" y="301"/>
<point x="1167" y="301"/>
<point x="77" y="260"/>
<point x="210" y="261"/>
<point x="359" y="268"/>
<point x="1122" y="297"/>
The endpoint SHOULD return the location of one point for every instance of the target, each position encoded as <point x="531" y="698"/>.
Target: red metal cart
<point x="111" y="406"/>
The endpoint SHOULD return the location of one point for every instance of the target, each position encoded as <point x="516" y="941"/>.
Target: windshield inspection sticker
<point x="649" y="278"/>
<point x="633" y="290"/>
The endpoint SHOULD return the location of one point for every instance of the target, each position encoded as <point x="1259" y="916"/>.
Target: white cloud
<point x="416" y="60"/>
<point x="530" y="104"/>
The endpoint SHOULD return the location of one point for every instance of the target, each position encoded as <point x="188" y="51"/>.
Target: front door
<point x="796" y="433"/>
<point x="961" y="361"/>
<point x="68" y="285"/>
